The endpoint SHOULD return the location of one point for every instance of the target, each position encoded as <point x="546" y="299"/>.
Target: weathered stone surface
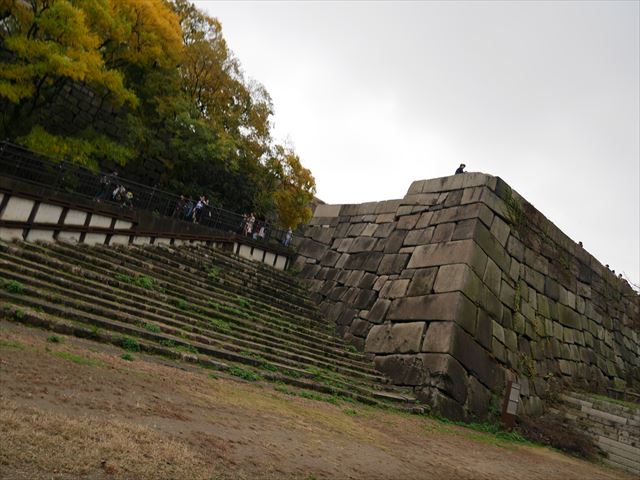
<point x="395" y="338"/>
<point x="457" y="182"/>
<point x="463" y="251"/>
<point x="479" y="399"/>
<point x="362" y="244"/>
<point x="492" y="247"/>
<point x="419" y="237"/>
<point x="534" y="278"/>
<point x="536" y="261"/>
<point x="448" y="337"/>
<point x="359" y="327"/>
<point x="365" y="299"/>
<point x="312" y="249"/>
<point x="569" y="317"/>
<point x="492" y="277"/>
<point x="395" y="288"/>
<point x="422" y="282"/>
<point x="453" y="306"/>
<point x="394" y="241"/>
<point x="378" y="312"/>
<point x="458" y="277"/>
<point x="330" y="258"/>
<point x="392" y="263"/>
<point x="402" y="369"/>
<point x="407" y="222"/>
<point x="500" y="229"/>
<point x="324" y="210"/>
<point x="484" y="329"/>
<point x="384" y="230"/>
<point x="507" y="295"/>
<point x="515" y="248"/>
<point x="446" y="374"/>
<point x="425" y="220"/>
<point x="443" y="232"/>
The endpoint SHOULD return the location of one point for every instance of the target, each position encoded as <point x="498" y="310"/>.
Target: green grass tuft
<point x="129" y="344"/>
<point x="13" y="286"/>
<point x="152" y="327"/>
<point x="54" y="339"/>
<point x="77" y="359"/>
<point x="127" y="356"/>
<point x="244" y="374"/>
<point x="11" y="344"/>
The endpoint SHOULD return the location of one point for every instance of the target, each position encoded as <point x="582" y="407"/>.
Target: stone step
<point x="176" y="283"/>
<point x="247" y="329"/>
<point x="205" y="259"/>
<point x="620" y="449"/>
<point x="181" y="258"/>
<point x="273" y="350"/>
<point x="253" y="269"/>
<point x="146" y="341"/>
<point x="202" y="344"/>
<point x="173" y="276"/>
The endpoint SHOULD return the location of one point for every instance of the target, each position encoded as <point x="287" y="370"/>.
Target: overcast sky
<point x="374" y="95"/>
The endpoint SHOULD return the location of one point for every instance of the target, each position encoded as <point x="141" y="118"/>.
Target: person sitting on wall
<point x="460" y="169"/>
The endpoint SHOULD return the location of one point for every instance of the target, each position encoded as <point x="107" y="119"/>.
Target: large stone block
<point x="378" y="312"/>
<point x="395" y="288"/>
<point x="325" y="210"/>
<point x="312" y="249"/>
<point x="452" y="306"/>
<point x="392" y="264"/>
<point x="395" y="338"/>
<point x="457" y="182"/>
<point x="492" y="277"/>
<point x="479" y="399"/>
<point x="362" y="244"/>
<point x="407" y="222"/>
<point x="458" y="277"/>
<point x="445" y="373"/>
<point x="448" y="337"/>
<point x="422" y="281"/>
<point x="384" y="230"/>
<point x="402" y="369"/>
<point x="569" y="317"/>
<point x="463" y="251"/>
<point x="443" y="232"/>
<point x="492" y="247"/>
<point x="419" y="237"/>
<point x="394" y="241"/>
<point x="500" y="229"/>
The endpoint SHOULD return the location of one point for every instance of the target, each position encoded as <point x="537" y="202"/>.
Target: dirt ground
<point x="76" y="409"/>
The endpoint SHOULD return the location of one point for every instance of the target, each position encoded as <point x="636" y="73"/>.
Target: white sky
<point x="374" y="95"/>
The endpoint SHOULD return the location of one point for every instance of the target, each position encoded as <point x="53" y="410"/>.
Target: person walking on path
<point x="460" y="169"/>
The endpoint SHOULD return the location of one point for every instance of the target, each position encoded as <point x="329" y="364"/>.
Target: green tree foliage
<point x="184" y="117"/>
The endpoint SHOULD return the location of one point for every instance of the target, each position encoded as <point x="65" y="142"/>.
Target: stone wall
<point x="462" y="286"/>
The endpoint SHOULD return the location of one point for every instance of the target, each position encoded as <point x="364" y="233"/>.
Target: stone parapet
<point x="466" y="273"/>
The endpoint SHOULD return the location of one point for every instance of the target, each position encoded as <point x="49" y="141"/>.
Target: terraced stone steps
<point x="89" y="292"/>
<point x="248" y="276"/>
<point x="149" y="305"/>
<point x="177" y="283"/>
<point x="159" y="262"/>
<point x="615" y="427"/>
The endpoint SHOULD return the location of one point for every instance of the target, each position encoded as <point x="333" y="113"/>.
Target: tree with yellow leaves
<point x="46" y="44"/>
<point x="295" y="187"/>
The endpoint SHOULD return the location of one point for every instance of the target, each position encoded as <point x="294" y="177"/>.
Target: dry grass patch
<point x="35" y="441"/>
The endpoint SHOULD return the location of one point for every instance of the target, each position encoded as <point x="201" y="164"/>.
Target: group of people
<point x="111" y="189"/>
<point x="251" y="228"/>
<point x="190" y="210"/>
<point x="258" y="230"/>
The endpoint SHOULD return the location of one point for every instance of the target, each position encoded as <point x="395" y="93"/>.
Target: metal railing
<point x="77" y="181"/>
